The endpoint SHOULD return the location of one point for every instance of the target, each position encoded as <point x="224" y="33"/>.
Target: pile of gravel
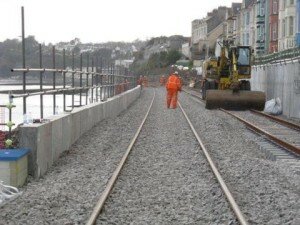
<point x="267" y="192"/>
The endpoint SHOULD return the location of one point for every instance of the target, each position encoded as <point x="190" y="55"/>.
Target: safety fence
<point x="5" y="139"/>
<point x="282" y="56"/>
<point x="95" y="81"/>
<point x="91" y="83"/>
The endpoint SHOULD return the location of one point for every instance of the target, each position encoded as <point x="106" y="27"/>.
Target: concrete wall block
<point x="286" y="93"/>
<point x="76" y="126"/>
<point x="280" y="82"/>
<point x="44" y="149"/>
<point x="100" y="112"/>
<point x="97" y="113"/>
<point x="66" y="132"/>
<point x="295" y="98"/>
<point x="28" y="139"/>
<point x="84" y="124"/>
<point x="57" y="139"/>
<point x="91" y="117"/>
<point x="120" y="105"/>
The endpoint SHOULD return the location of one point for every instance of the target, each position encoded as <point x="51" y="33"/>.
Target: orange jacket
<point x="173" y="83"/>
<point x="162" y="80"/>
<point x="140" y="81"/>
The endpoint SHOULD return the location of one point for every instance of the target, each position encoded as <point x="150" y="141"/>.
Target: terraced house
<point x="268" y="26"/>
<point x="273" y="26"/>
<point x="287" y="21"/>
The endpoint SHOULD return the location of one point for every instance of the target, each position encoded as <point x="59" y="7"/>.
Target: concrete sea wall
<point x="49" y="140"/>
<point x="280" y="80"/>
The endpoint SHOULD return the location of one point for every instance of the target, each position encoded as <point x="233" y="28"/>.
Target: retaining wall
<point x="47" y="141"/>
<point x="280" y="80"/>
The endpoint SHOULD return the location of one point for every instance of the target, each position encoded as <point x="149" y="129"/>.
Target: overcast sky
<point x="102" y="20"/>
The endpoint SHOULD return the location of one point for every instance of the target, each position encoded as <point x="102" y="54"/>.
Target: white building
<point x="124" y="62"/>
<point x="287" y="21"/>
<point x="185" y="50"/>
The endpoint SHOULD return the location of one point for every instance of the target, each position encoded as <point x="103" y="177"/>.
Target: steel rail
<point x="281" y="121"/>
<point x="217" y="174"/>
<point x="278" y="141"/>
<point x="112" y="180"/>
<point x="194" y="95"/>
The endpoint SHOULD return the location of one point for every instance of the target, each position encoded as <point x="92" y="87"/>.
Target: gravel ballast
<point x="166" y="179"/>
<point x="268" y="192"/>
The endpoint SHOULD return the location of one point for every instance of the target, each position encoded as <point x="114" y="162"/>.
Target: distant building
<point x="260" y="27"/>
<point x="287" y="28"/>
<point x="273" y="26"/>
<point x="205" y="32"/>
<point x="298" y="23"/>
<point x="186" y="50"/>
<point x="231" y="24"/>
<point x="247" y="24"/>
<point x="124" y="62"/>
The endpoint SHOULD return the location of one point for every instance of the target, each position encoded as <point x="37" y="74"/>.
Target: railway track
<point x="281" y="132"/>
<point x="110" y="185"/>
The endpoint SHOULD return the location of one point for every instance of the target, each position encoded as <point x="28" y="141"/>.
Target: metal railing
<point x="293" y="53"/>
<point x="98" y="80"/>
<point x="99" y="84"/>
<point x="9" y="123"/>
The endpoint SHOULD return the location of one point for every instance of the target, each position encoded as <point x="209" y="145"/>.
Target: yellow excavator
<point x="225" y="82"/>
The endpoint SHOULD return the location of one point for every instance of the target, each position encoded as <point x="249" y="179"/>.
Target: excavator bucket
<point x="241" y="100"/>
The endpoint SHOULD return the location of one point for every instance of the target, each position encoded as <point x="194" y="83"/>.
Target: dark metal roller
<point x="242" y="100"/>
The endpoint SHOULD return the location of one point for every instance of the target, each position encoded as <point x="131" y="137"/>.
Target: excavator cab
<point x="244" y="62"/>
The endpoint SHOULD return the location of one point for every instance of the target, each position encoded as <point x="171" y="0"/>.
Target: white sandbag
<point x="277" y="110"/>
<point x="269" y="106"/>
<point x="273" y="106"/>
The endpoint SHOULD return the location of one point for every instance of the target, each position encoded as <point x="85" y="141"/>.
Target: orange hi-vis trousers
<point x="172" y="96"/>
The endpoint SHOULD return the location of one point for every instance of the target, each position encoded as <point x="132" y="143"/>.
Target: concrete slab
<point x="76" y="126"/>
<point x="44" y="149"/>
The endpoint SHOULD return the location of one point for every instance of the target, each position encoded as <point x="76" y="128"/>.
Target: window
<point x="262" y="32"/>
<point x="274" y="31"/>
<point x="275" y="7"/>
<point x="243" y="57"/>
<point x="262" y="9"/>
<point x="291" y="25"/>
<point x="270" y="30"/>
<point x="247" y="39"/>
<point x="247" y="18"/>
<point x="283" y="28"/>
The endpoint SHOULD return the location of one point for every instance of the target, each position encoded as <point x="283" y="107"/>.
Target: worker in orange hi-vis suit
<point x="162" y="80"/>
<point x="145" y="81"/>
<point x="140" y="82"/>
<point x="173" y="85"/>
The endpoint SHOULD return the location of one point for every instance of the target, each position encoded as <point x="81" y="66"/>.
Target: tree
<point x="173" y="56"/>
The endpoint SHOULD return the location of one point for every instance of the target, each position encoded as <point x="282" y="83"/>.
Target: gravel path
<point x="268" y="192"/>
<point x="68" y="192"/>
